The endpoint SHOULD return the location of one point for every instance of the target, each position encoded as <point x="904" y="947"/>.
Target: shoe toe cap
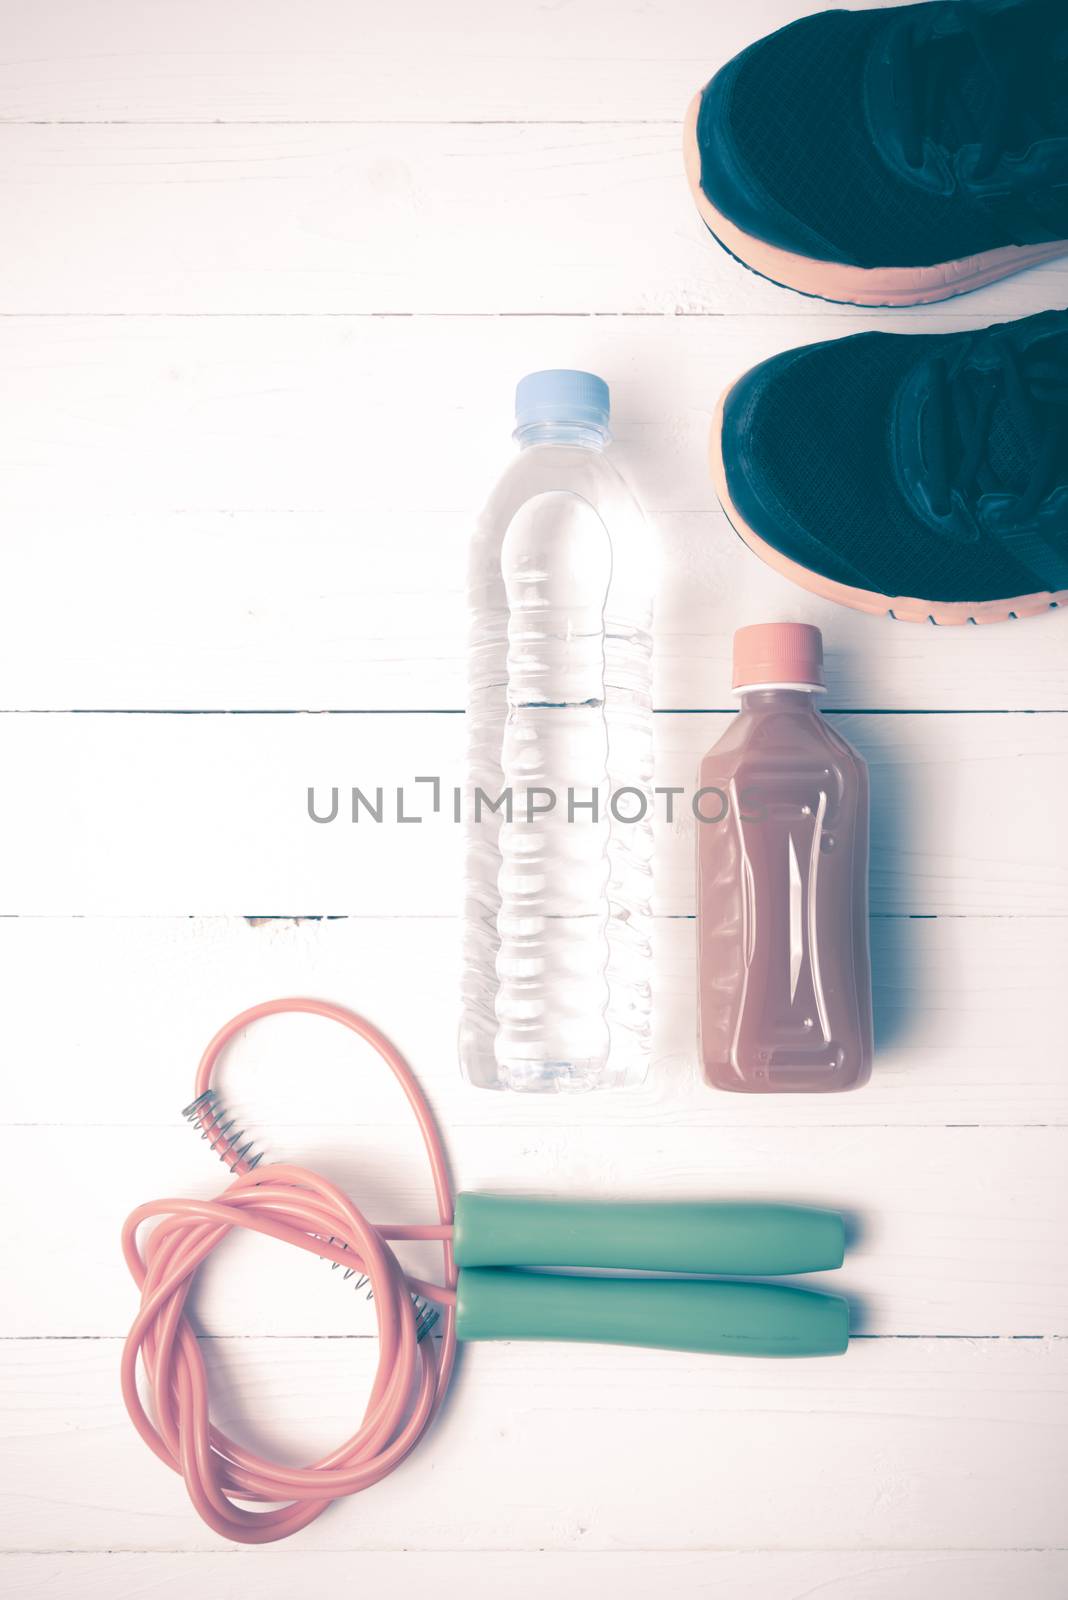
<point x="779" y="445"/>
<point x="730" y="176"/>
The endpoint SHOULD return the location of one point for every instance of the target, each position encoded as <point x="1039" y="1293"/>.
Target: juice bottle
<point x="784" y="974"/>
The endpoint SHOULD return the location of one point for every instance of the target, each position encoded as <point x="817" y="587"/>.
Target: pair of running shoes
<point x="894" y="157"/>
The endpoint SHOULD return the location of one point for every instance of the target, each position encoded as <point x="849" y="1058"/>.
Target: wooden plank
<point x="381" y="218"/>
<point x="325" y="609"/>
<point x="366" y="418"/>
<point x="955" y="1231"/>
<point x="963" y="1008"/>
<point x="912" y="1447"/>
<point x="209" y="814"/>
<point x="332" y="60"/>
<point x="275" y="1574"/>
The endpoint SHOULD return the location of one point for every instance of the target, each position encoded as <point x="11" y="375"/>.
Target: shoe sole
<point x="903" y="608"/>
<point x="856" y="286"/>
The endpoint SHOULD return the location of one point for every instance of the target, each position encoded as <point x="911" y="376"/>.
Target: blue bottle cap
<point x="561" y="395"/>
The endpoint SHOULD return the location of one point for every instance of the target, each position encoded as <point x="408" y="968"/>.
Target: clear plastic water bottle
<point x="557" y="953"/>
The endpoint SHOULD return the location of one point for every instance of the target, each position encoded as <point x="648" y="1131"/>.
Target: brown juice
<point x="784" y="971"/>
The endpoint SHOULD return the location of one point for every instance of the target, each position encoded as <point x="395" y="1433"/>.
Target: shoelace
<point x="1033" y="385"/>
<point x="1022" y="87"/>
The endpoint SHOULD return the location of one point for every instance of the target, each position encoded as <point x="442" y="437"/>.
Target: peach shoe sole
<point x="903" y="608"/>
<point x="859" y="286"/>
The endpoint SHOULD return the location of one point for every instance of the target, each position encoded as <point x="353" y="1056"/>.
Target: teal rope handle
<point x="742" y="1319"/>
<point x="738" y="1239"/>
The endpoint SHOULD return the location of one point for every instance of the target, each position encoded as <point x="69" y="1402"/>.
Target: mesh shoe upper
<point x="827" y="459"/>
<point x="792" y="150"/>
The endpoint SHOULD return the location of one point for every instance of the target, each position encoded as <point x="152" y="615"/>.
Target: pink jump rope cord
<point x="297" y="1206"/>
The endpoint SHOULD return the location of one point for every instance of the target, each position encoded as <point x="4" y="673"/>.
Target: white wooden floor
<point x="270" y="270"/>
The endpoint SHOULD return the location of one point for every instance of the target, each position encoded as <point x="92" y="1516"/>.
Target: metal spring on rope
<point x="426" y="1314"/>
<point x="208" y="1114"/>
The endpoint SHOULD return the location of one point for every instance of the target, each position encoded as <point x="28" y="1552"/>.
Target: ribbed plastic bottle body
<point x="557" y="939"/>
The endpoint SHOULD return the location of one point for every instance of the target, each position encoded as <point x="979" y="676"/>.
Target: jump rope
<point x="489" y="1243"/>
